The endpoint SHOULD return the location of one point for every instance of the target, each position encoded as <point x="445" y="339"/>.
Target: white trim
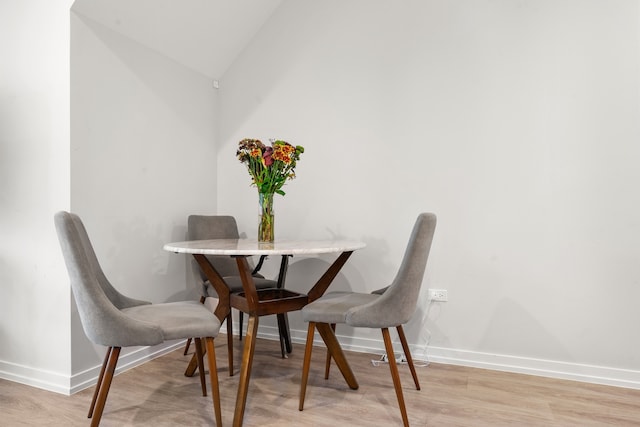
<point x="39" y="378"/>
<point x="616" y="377"/>
<point x="89" y="377"/>
<point x="531" y="366"/>
<point x="498" y="362"/>
<point x="66" y="385"/>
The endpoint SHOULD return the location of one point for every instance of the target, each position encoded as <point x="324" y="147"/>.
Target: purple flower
<point x="266" y="156"/>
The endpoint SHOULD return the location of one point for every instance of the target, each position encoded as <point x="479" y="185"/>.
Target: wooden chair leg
<point x="395" y="375"/>
<point x="200" y="357"/>
<point x="213" y="375"/>
<point x="230" y="342"/>
<point x="327" y="365"/>
<point x="330" y="340"/>
<point x="100" y="377"/>
<point x="306" y="364"/>
<point x="407" y="355"/>
<point x="104" y="385"/>
<point x="192" y="366"/>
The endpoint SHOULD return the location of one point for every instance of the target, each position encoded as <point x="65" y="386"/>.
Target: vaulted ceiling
<point x="204" y="35"/>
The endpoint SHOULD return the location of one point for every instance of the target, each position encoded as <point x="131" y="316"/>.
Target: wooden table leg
<point x="283" y="350"/>
<point x="323" y="283"/>
<point x="285" y="338"/>
<point x="283" y="322"/>
<point x="245" y="369"/>
<point x="330" y="340"/>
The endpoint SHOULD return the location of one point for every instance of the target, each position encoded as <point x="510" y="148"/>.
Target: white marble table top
<point x="253" y="247"/>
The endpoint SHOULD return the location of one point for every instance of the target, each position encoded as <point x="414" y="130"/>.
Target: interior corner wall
<point x="143" y="144"/>
<point x="34" y="184"/>
<point x="516" y="122"/>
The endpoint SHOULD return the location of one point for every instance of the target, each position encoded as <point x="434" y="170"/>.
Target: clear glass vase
<point x="266" y="224"/>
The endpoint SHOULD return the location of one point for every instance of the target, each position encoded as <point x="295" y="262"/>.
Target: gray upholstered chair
<point x="389" y="307"/>
<point x="115" y="321"/>
<point x="204" y="227"/>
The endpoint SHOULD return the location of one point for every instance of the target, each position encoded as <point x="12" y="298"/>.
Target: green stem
<point x="266" y="226"/>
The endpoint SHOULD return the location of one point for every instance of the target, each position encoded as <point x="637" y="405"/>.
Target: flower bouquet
<point x="270" y="167"/>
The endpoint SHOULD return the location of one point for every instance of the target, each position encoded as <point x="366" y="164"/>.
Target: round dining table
<point x="259" y="302"/>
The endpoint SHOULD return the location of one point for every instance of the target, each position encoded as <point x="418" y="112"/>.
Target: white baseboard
<point x="89" y="377"/>
<point x="63" y="384"/>
<point x="66" y="385"/>
<point x="531" y="366"/>
<point x="522" y="365"/>
<point x="34" y="377"/>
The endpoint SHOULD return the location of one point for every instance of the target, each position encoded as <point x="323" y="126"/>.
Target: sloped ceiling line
<point x="203" y="35"/>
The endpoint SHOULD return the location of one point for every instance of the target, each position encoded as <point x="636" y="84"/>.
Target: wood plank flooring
<point x="158" y="394"/>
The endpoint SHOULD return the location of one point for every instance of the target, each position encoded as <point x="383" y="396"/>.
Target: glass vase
<point x="266" y="225"/>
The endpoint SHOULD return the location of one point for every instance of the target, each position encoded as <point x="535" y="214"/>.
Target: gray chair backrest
<point x="119" y="300"/>
<point x="205" y="227"/>
<point x="398" y="303"/>
<point x="102" y="320"/>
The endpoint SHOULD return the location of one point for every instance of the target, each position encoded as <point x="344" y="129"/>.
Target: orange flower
<point x="269" y="167"/>
<point x="281" y="156"/>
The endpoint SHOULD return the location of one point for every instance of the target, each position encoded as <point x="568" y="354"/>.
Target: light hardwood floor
<point x="158" y="394"/>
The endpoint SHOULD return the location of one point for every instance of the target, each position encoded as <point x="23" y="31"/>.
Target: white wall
<point x="116" y="146"/>
<point x="516" y="122"/>
<point x="143" y="155"/>
<point x="34" y="184"/>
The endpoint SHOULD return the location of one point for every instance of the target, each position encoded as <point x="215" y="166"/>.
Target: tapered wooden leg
<point x="333" y="345"/>
<point x="285" y="338"/>
<point x="192" y="366"/>
<point x="230" y="342"/>
<point x="104" y="386"/>
<point x="100" y="377"/>
<point x="245" y="370"/>
<point x="283" y="320"/>
<point x="186" y="347"/>
<point x="327" y="365"/>
<point x="200" y="358"/>
<point x="395" y="375"/>
<point x="213" y="375"/>
<point x="306" y="364"/>
<point x="283" y="349"/>
<point x="407" y="355"/>
<point x="195" y="363"/>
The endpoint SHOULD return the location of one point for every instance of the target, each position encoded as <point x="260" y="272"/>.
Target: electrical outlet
<point x="438" y="295"/>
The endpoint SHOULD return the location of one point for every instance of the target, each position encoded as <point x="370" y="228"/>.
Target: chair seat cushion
<point x="235" y="284"/>
<point x="334" y="306"/>
<point x="178" y="320"/>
